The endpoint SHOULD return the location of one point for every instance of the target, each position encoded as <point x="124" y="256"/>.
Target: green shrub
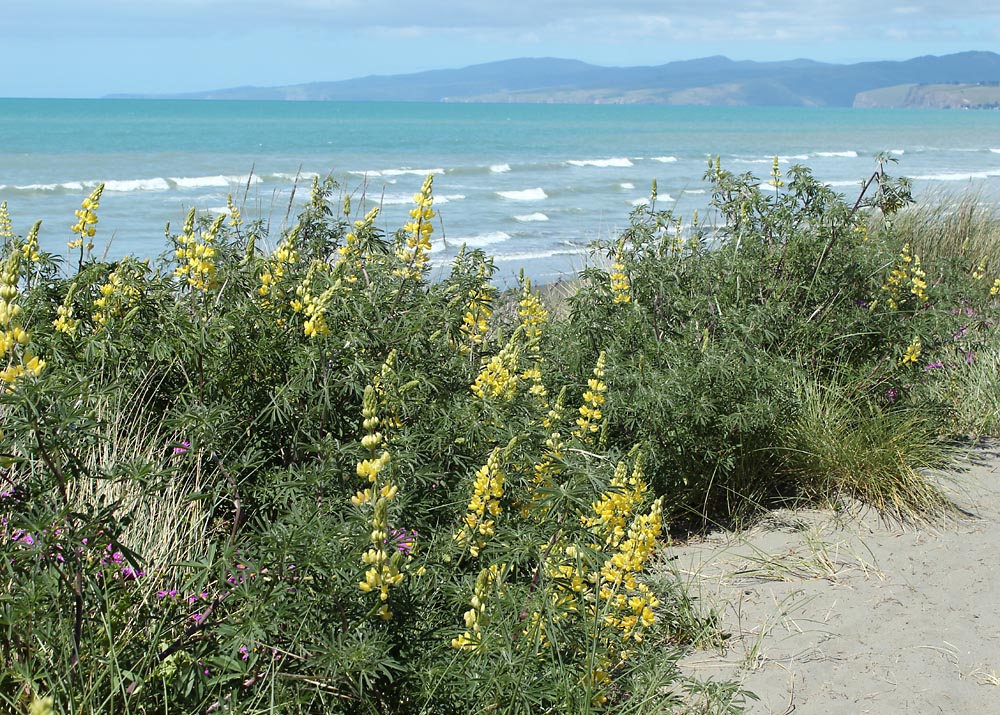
<point x="303" y="477"/>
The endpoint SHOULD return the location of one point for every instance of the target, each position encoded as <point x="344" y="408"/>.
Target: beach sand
<point x="844" y="613"/>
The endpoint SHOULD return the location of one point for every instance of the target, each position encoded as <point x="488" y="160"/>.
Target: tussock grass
<point x="841" y="446"/>
<point x="169" y="522"/>
<point x="948" y="226"/>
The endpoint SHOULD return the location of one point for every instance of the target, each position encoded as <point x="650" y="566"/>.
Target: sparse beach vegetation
<point x="290" y="473"/>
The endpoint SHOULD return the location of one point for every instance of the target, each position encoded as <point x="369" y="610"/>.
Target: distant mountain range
<point x="966" y="79"/>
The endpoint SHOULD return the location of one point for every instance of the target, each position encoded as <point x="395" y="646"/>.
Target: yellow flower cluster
<point x="612" y="596"/>
<point x="353" y="250"/>
<point x="531" y="312"/>
<point x="590" y="411"/>
<point x="487" y="491"/>
<point x="616" y="505"/>
<point x="14" y="338"/>
<point x="197" y="254"/>
<point x="478" y="309"/>
<point x="715" y="167"/>
<point x="414" y="252"/>
<point x="533" y="318"/>
<point x="776" y="180"/>
<point x="313" y="306"/>
<point x="630" y="604"/>
<point x="498" y="378"/>
<point x="383" y="561"/>
<point x="86" y="224"/>
<point x="235" y="218"/>
<point x="620" y="287"/>
<point x="489" y="580"/>
<point x="274" y="271"/>
<point x="118" y="294"/>
<point x="912" y="353"/>
<point x="29" y="251"/>
<point x="65" y="322"/>
<point x="42" y="706"/>
<point x="979" y="272"/>
<point x="6" y="226"/>
<point x="906" y="279"/>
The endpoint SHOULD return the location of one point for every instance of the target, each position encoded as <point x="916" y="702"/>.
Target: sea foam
<point x="397" y="172"/>
<point x="500" y="168"/>
<point x="849" y="154"/>
<point x="536" y="194"/>
<point x="217" y="181"/>
<point x="64" y="186"/>
<point x="619" y="162"/>
<point x="154" y="184"/>
<point x="665" y="159"/>
<point x="481" y="240"/>
<point x="404" y="199"/>
<point x="528" y="218"/>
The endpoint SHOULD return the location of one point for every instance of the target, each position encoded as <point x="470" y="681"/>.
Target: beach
<point x="845" y="612"/>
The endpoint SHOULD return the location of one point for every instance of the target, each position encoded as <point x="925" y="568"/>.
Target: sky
<point x="81" y="48"/>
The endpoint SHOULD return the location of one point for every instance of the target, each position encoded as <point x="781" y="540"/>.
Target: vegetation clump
<point x="311" y="479"/>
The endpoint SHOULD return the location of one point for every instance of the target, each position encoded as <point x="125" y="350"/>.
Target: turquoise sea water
<point x="532" y="184"/>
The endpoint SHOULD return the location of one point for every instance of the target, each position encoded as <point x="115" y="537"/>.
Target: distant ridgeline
<point x="966" y="80"/>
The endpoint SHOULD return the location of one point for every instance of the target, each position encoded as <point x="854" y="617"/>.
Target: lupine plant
<point x="307" y="478"/>
<point x="293" y="473"/>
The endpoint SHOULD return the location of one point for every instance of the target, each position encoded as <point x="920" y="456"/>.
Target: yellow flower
<point x="383" y="559"/>
<point x="42" y="706"/>
<point x="86" y="223"/>
<point x="197" y="254"/>
<point x="498" y="378"/>
<point x="776" y="180"/>
<point x="119" y="293"/>
<point x="235" y="219"/>
<point x="489" y="580"/>
<point x="6" y="227"/>
<point x="479" y="308"/>
<point x="590" y="412"/>
<point x="532" y="313"/>
<point x="912" y="353"/>
<point x="487" y="491"/>
<point x="417" y="244"/>
<point x="619" y="282"/>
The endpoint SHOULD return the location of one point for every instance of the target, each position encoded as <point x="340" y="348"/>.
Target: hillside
<point x="715" y="80"/>
<point x="933" y="96"/>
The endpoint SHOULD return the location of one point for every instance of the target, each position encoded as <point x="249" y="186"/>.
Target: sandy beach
<point x="845" y="613"/>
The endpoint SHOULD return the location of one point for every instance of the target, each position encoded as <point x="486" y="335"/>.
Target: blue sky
<point x="75" y="48"/>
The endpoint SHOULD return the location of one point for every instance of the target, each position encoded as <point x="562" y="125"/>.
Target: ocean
<point x="531" y="184"/>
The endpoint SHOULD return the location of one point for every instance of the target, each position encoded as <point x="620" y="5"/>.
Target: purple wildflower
<point x="403" y="540"/>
